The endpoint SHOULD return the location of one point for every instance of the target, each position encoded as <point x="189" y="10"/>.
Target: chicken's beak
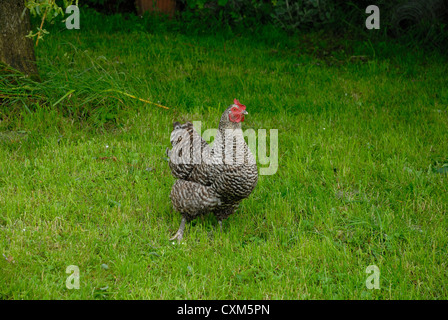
<point x="245" y="112"/>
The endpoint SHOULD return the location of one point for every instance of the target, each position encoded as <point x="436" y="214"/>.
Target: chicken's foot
<point x="180" y="233"/>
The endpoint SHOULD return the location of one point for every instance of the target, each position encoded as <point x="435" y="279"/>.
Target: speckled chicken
<point x="211" y="179"/>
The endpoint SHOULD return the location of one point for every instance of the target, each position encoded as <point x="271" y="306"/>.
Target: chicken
<point x="211" y="179"/>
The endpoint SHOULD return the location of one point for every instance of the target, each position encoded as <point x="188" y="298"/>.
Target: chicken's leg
<point x="180" y="233"/>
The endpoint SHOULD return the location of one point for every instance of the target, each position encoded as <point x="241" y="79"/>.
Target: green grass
<point x="362" y="147"/>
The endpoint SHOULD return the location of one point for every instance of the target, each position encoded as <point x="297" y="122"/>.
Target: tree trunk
<point x="16" y="50"/>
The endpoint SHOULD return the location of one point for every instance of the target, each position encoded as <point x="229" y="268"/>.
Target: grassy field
<point x="363" y="153"/>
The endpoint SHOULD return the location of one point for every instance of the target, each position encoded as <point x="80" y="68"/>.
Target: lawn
<point x="361" y="179"/>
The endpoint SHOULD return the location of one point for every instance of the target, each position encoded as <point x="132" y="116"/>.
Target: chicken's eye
<point x="234" y="109"/>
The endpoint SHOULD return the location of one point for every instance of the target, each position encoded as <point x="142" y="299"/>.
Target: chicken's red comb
<point x="241" y="106"/>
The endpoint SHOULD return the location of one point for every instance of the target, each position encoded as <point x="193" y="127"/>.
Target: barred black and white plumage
<point x="211" y="180"/>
